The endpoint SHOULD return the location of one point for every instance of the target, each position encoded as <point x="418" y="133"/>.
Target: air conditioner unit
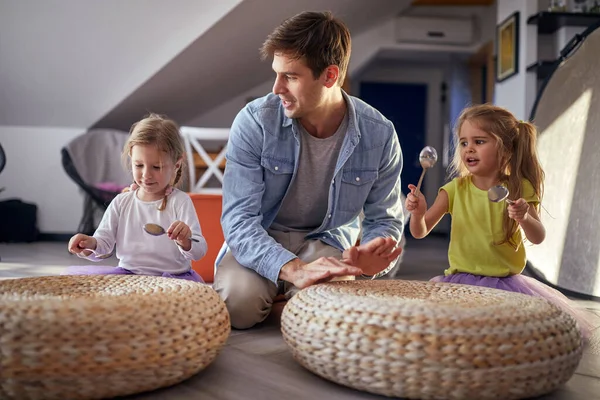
<point x="435" y="30"/>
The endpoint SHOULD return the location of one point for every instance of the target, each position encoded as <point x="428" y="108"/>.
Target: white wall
<point x="34" y="174"/>
<point x="518" y="92"/>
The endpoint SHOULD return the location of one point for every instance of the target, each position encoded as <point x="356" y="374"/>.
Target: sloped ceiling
<point x="69" y="62"/>
<point x="84" y="63"/>
<point x="225" y="61"/>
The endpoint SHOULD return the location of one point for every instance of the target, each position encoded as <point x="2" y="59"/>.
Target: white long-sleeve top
<point x="138" y="251"/>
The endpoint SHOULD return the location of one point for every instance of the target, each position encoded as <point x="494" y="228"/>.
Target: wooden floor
<point x="256" y="363"/>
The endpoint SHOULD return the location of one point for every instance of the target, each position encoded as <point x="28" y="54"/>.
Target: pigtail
<point x="177" y="176"/>
<point x="523" y="164"/>
<point x="163" y="205"/>
<point x="528" y="164"/>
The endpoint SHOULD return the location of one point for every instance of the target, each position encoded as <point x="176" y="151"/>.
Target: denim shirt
<point x="262" y="160"/>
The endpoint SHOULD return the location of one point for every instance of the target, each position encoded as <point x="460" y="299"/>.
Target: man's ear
<point x="332" y="74"/>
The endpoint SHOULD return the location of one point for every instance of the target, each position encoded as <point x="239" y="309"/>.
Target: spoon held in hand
<point x="157" y="230"/>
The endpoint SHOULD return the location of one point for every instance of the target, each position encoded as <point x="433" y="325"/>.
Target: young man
<point x="302" y="163"/>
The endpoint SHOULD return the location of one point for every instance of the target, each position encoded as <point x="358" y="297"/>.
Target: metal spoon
<point x="499" y="193"/>
<point x="98" y="255"/>
<point x="428" y="157"/>
<point x="157" y="230"/>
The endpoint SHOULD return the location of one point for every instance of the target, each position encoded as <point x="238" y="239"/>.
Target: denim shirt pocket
<point x="356" y="185"/>
<point x="277" y="176"/>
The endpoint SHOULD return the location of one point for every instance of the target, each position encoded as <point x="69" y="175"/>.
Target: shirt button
<point x="357" y="179"/>
<point x="276" y="168"/>
<point x="329" y="216"/>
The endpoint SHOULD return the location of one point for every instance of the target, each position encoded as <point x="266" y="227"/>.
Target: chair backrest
<point x="96" y="156"/>
<point x="2" y="158"/>
<point x="196" y="141"/>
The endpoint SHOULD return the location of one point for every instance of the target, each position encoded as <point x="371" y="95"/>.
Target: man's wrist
<point x="286" y="272"/>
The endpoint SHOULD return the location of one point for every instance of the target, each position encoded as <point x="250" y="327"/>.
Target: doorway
<point x="405" y="104"/>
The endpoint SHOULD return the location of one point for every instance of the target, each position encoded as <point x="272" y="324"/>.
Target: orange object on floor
<point x="208" y="208"/>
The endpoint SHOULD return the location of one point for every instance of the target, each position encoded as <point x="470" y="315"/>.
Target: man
<point x="302" y="164"/>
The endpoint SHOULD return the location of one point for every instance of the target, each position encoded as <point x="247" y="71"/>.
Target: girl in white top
<point x="155" y="153"/>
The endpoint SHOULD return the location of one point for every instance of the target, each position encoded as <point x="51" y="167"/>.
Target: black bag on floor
<point x="18" y="221"/>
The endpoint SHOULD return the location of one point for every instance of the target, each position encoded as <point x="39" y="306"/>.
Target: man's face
<point x="300" y="93"/>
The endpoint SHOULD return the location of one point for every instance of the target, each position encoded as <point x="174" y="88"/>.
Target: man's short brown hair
<point x="317" y="37"/>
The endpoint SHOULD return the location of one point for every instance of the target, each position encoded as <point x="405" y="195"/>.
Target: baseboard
<point x="54" y="237"/>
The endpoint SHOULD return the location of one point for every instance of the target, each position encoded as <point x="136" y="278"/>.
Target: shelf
<point x="542" y="68"/>
<point x="550" y="22"/>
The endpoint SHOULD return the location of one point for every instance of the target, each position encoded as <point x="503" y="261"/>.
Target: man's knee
<point x="246" y="305"/>
<point x="247" y="295"/>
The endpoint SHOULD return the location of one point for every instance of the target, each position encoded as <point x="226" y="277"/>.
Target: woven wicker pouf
<point x="425" y="340"/>
<point x="92" y="337"/>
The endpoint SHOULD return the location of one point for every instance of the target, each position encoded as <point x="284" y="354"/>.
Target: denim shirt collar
<point x="353" y="131"/>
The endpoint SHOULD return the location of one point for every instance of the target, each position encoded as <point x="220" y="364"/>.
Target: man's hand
<point x="322" y="269"/>
<point x="374" y="256"/>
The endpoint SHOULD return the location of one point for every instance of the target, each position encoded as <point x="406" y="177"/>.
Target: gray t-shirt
<point x="305" y="204"/>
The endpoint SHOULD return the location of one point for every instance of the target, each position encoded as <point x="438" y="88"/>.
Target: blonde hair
<point x="162" y="132"/>
<point x="516" y="145"/>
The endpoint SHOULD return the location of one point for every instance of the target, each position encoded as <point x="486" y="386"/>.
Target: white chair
<point x="197" y="138"/>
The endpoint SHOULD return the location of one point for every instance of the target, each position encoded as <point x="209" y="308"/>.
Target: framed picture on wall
<point x="507" y="47"/>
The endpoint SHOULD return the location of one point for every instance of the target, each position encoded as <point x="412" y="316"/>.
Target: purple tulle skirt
<point x="522" y="284"/>
<point x="191" y="275"/>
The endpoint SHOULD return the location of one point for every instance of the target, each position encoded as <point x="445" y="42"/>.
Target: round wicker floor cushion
<point x="91" y="337"/>
<point x="424" y="340"/>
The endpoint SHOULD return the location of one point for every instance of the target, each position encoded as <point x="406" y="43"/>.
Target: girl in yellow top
<point x="486" y="238"/>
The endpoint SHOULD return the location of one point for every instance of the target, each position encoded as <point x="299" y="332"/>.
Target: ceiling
<point x="68" y="62"/>
<point x="225" y="62"/>
<point x="82" y="63"/>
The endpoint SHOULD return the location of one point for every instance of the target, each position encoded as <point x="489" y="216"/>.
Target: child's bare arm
<point x="529" y="220"/>
<point x="422" y="222"/>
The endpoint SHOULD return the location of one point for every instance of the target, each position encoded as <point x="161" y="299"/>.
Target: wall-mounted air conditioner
<point x="435" y="30"/>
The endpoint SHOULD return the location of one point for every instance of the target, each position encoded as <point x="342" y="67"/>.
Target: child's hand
<point x="416" y="205"/>
<point x="181" y="234"/>
<point x="518" y="210"/>
<point x="80" y="243"/>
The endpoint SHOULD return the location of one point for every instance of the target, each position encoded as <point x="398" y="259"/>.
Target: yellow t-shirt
<point x="476" y="226"/>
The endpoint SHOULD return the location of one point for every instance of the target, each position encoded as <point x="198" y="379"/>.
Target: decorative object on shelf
<point x="558" y="6"/>
<point x="579" y="6"/>
<point x="507" y="40"/>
